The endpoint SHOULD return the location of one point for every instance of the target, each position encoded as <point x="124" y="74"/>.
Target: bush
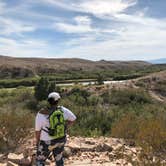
<point x="128" y="96"/>
<point x="126" y="127"/>
<point x="152" y="134"/>
<point x="148" y="131"/>
<point x="14" y="127"/>
<point x="79" y="96"/>
<point x="13" y="83"/>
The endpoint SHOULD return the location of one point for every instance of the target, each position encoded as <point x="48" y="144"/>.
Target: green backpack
<point x="57" y="124"/>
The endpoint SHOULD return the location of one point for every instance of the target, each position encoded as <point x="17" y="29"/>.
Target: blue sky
<point x="88" y="29"/>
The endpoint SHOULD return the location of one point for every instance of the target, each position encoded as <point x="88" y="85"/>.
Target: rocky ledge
<point x="86" y="152"/>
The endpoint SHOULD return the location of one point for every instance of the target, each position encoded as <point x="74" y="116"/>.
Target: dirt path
<point x="156" y="96"/>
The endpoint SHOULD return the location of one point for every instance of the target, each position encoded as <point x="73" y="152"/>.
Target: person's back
<point x="50" y="126"/>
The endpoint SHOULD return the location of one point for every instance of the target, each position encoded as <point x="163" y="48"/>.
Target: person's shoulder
<point x="43" y="111"/>
<point x="68" y="114"/>
<point x="64" y="109"/>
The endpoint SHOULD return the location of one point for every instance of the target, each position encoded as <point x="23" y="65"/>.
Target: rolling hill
<point x="11" y="67"/>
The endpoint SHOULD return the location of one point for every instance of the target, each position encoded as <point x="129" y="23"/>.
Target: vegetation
<point x="124" y="113"/>
<point x="16" y="118"/>
<point x="44" y="87"/>
<point x="77" y="75"/>
<point x="12" y="83"/>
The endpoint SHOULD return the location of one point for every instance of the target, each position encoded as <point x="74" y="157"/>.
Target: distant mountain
<point x="11" y="67"/>
<point x="158" y="61"/>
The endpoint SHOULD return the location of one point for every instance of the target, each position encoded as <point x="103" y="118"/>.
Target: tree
<point x="53" y="87"/>
<point x="100" y="79"/>
<point x="42" y="89"/>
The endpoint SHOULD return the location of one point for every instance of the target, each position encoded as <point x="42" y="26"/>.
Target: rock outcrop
<point x="83" y="151"/>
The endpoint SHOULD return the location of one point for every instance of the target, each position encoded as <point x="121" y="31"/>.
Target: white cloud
<point x="98" y="8"/>
<point x="9" y="26"/>
<point x="82" y="25"/>
<point x="104" y="7"/>
<point x="24" y="47"/>
<point x="142" y="40"/>
<point x="2" y="7"/>
<point x="137" y="19"/>
<point x="83" y="20"/>
<point x="116" y="35"/>
<point x="69" y="28"/>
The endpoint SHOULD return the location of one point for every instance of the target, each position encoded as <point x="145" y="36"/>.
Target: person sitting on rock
<point x="50" y="129"/>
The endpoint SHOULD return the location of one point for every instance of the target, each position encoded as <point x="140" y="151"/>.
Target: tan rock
<point x="67" y="152"/>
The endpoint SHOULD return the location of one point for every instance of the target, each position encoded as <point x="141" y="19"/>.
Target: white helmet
<point x="54" y="95"/>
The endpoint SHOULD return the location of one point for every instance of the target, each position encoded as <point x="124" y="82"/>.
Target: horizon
<point x="148" y="61"/>
<point x="111" y="30"/>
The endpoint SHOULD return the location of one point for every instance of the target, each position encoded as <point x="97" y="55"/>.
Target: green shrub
<point x="79" y="96"/>
<point x="128" y="96"/>
<point x="13" y="83"/>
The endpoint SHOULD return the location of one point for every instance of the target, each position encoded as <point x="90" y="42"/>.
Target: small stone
<point x="67" y="152"/>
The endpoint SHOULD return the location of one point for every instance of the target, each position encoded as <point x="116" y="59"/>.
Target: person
<point x="50" y="130"/>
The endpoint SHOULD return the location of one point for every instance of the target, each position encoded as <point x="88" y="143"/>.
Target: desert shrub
<point x="141" y="83"/>
<point x="127" y="77"/>
<point x="14" y="127"/>
<point x="160" y="87"/>
<point x="15" y="118"/>
<point x="147" y="129"/>
<point x="17" y="96"/>
<point x="42" y="104"/>
<point x="152" y="134"/>
<point x="91" y="122"/>
<point x="126" y="127"/>
<point x="128" y="96"/>
<point x="79" y="96"/>
<point x="95" y="100"/>
<point x="106" y="97"/>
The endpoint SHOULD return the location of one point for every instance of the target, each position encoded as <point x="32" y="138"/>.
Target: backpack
<point x="57" y="124"/>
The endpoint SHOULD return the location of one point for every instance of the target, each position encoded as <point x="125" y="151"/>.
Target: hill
<point x="11" y="67"/>
<point x="155" y="83"/>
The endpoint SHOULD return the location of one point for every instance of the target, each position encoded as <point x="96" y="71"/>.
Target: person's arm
<point x="70" y="123"/>
<point x="69" y="116"/>
<point x="37" y="134"/>
<point x="38" y="128"/>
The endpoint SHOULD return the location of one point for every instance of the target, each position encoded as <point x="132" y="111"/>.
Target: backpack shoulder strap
<point x="44" y="111"/>
<point x="60" y="108"/>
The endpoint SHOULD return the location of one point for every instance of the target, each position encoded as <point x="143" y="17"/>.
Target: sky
<point x="87" y="29"/>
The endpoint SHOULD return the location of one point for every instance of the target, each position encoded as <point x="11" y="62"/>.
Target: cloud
<point x="24" y="47"/>
<point x="83" y="20"/>
<point x="104" y="7"/>
<point x="92" y="29"/>
<point x="9" y="26"/>
<point x="82" y="25"/>
<point x="98" y="8"/>
<point x="2" y="7"/>
<point x="131" y="44"/>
